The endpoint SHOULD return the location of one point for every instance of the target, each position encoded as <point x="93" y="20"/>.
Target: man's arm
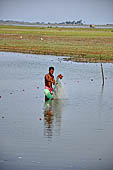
<point x="53" y="81"/>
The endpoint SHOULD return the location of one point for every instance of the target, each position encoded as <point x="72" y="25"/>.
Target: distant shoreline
<point x="79" y="44"/>
<point x="61" y="26"/>
<point x="17" y="23"/>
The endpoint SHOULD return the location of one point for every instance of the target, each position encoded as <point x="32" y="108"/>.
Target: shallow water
<point x="74" y="133"/>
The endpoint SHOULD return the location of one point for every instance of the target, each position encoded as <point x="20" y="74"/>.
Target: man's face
<point x="51" y="71"/>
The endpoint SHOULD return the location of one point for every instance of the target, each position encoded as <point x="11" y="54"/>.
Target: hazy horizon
<point x="89" y="11"/>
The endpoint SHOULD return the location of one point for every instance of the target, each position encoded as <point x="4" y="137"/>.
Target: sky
<point x="89" y="11"/>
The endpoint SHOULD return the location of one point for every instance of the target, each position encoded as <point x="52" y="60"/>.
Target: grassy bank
<point x="80" y="44"/>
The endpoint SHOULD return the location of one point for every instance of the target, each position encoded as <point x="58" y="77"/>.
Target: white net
<point x="58" y="90"/>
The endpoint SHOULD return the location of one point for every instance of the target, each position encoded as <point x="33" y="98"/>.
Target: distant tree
<point x="67" y="22"/>
<point x="79" y="22"/>
<point x="37" y="22"/>
<point x="42" y="23"/>
<point x="62" y="23"/>
<point x="73" y="22"/>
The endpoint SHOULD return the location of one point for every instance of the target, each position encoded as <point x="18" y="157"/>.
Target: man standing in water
<point x="49" y="81"/>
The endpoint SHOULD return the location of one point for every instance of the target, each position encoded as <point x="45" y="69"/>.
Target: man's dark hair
<point x="51" y="68"/>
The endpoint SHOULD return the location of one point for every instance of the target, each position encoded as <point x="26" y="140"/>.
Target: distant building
<point x="92" y="25"/>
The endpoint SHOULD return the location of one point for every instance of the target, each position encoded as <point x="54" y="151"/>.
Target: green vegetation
<point x="81" y="44"/>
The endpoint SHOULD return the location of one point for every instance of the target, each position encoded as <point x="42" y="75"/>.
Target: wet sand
<point x="75" y="133"/>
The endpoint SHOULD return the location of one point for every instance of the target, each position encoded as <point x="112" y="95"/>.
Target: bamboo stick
<point x="102" y="74"/>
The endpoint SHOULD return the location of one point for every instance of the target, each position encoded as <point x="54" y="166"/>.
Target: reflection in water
<point x="52" y="117"/>
<point x="100" y="109"/>
<point x="48" y="118"/>
<point x="102" y="90"/>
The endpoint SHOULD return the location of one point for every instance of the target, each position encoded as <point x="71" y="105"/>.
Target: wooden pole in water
<point x="102" y="75"/>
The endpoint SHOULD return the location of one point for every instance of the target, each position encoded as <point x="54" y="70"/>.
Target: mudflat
<point x="80" y="44"/>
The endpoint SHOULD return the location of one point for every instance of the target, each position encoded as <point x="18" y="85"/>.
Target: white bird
<point x="41" y="39"/>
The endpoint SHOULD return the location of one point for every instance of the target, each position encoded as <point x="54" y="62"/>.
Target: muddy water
<point x="74" y="133"/>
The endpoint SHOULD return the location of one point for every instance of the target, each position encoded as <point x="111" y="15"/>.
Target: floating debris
<point x="91" y="79"/>
<point x="40" y="118"/>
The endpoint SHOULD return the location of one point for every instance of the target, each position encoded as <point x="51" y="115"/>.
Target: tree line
<point x="79" y="22"/>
